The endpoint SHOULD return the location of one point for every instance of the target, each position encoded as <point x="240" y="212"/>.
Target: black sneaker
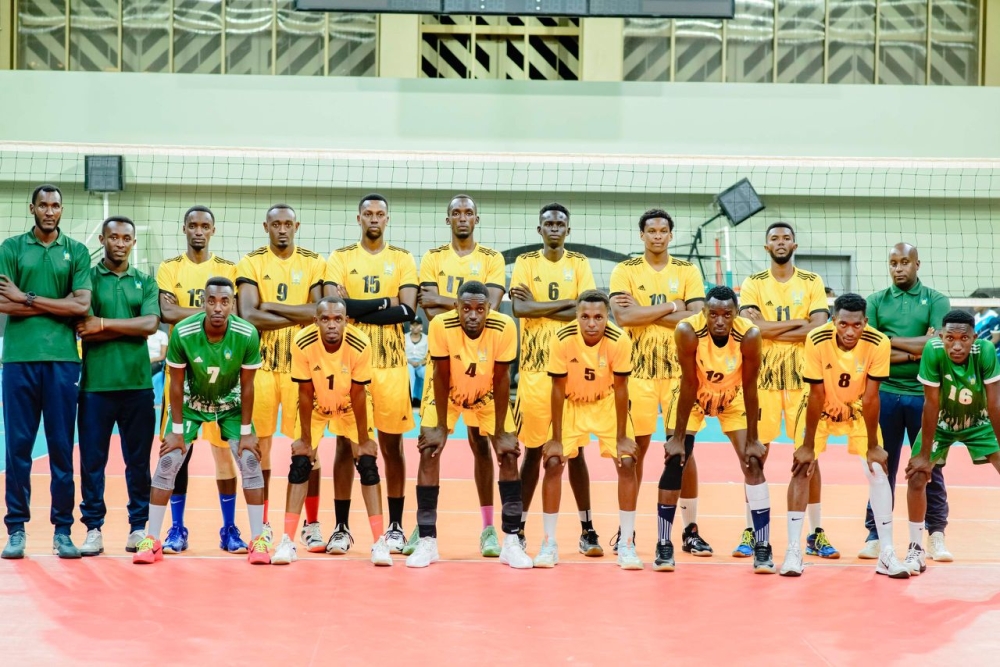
<point x="522" y="539"/>
<point x="590" y="544"/>
<point x="763" y="563"/>
<point x="664" y="557"/>
<point x="692" y="542"/>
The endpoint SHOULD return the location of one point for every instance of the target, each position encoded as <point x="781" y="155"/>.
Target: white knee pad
<point x="166" y="470"/>
<point x="250" y="473"/>
<point x="875" y="474"/>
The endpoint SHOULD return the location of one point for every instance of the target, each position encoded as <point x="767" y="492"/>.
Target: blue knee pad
<point x="368" y="470"/>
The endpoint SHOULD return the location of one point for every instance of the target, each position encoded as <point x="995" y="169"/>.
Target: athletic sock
<point x="586" y="520"/>
<point x="377" y="524"/>
<point x="266" y="505"/>
<point x="627" y="523"/>
<point x="291" y="524"/>
<point x="524" y="520"/>
<point x="342" y="510"/>
<point x="396" y="510"/>
<point x="549" y="522"/>
<point x="815" y="516"/>
<point x="256" y="513"/>
<point x="689" y="510"/>
<point x="749" y="514"/>
<point x="511" y="506"/>
<point x="427" y="502"/>
<point x="487" y="513"/>
<point x="227" y="501"/>
<point x="177" y="509"/>
<point x="665" y="522"/>
<point x="916" y="531"/>
<point x="759" y="501"/>
<point x="156" y="514"/>
<point x="312" y="509"/>
<point x="795" y="521"/>
<point x="880" y="499"/>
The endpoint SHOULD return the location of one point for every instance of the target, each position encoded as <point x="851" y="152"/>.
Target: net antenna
<point x="738" y="203"/>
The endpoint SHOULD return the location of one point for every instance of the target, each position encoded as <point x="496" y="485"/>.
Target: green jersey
<point x="212" y="380"/>
<point x="963" y="386"/>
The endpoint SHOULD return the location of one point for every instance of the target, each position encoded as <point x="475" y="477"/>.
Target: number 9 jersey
<point x="186" y="280"/>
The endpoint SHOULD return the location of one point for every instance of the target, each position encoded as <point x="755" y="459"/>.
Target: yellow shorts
<point x="482" y="416"/>
<point x="341" y="424"/>
<point x="731" y="418"/>
<point x="533" y="409"/>
<point x="272" y="390"/>
<point x="649" y="398"/>
<point x="390" y="394"/>
<point x="774" y="402"/>
<point x="598" y="417"/>
<point x="854" y="429"/>
<point x="209" y="431"/>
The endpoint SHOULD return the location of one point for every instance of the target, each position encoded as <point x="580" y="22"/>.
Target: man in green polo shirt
<point x="44" y="282"/>
<point x="117" y="387"/>
<point x="909" y="313"/>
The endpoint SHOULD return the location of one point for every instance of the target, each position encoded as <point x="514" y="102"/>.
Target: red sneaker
<point x="148" y="551"/>
<point x="257" y="554"/>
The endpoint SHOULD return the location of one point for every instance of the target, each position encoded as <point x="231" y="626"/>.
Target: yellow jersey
<point x="472" y="360"/>
<point x="654" y="353"/>
<point x="720" y="369"/>
<point x="548" y="281"/>
<point x="845" y="373"/>
<point x="331" y="373"/>
<point x="186" y="280"/>
<point x="372" y="276"/>
<point x="443" y="268"/>
<point x="281" y="281"/>
<point x="795" y="299"/>
<point x="589" y="370"/>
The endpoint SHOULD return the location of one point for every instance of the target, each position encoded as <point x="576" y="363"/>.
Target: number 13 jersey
<point x="186" y="280"/>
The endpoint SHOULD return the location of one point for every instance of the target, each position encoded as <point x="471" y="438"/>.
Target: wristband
<point x="102" y="324"/>
<point x="177" y="428"/>
<point x="246" y="429"/>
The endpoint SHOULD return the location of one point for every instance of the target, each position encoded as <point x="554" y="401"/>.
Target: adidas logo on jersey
<point x="198" y="360"/>
<point x="768" y="304"/>
<point x="573" y="361"/>
<point x="178" y="285"/>
<point x="354" y="272"/>
<point x="829" y="366"/>
<point x="267" y="277"/>
<point x="317" y="368"/>
<point x="457" y="357"/>
<point x="642" y="288"/>
<point x="440" y="273"/>
<point x="537" y="279"/>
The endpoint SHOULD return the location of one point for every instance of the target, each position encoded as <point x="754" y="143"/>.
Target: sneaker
<point x="692" y="542"/>
<point x="147" y="552"/>
<point x="817" y="544"/>
<point x="395" y="538"/>
<point x="792" y="567"/>
<point x="258" y="552"/>
<point x="627" y="558"/>
<point x="284" y="553"/>
<point x="93" y="544"/>
<point x="138" y="535"/>
<point x="745" y="549"/>
<point x="176" y="540"/>
<point x="548" y="554"/>
<point x="15" y="545"/>
<point x="380" y="553"/>
<point x="889" y="565"/>
<point x="230" y="540"/>
<point x="916" y="559"/>
<point x="590" y="544"/>
<point x="664" y="561"/>
<point x="267" y="533"/>
<point x="411" y="544"/>
<point x="512" y="554"/>
<point x="424" y="553"/>
<point x="617" y="538"/>
<point x="341" y="540"/>
<point x="62" y="546"/>
<point x="522" y="539"/>
<point x="763" y="562"/>
<point x="312" y="537"/>
<point x="489" y="543"/>
<point x="871" y="550"/>
<point x="937" y="550"/>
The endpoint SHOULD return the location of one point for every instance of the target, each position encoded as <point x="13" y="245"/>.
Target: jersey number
<point x="715" y="377"/>
<point x="553" y="291"/>
<point x="213" y="373"/>
<point x="471" y="372"/>
<point x="454" y="283"/>
<point x="964" y="395"/>
<point x="787" y="316"/>
<point x="282" y="291"/>
<point x="845" y="379"/>
<point x="372" y="284"/>
<point x="657" y="299"/>
<point x="589" y="374"/>
<point x="329" y="382"/>
<point x="197" y="299"/>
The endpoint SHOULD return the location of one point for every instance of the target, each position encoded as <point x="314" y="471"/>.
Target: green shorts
<point x="981" y="441"/>
<point x="229" y="422"/>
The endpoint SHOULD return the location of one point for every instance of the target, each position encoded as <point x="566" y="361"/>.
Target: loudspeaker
<point x="103" y="173"/>
<point x="739" y="202"/>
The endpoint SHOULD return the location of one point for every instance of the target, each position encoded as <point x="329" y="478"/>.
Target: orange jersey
<point x="472" y="359"/>
<point x="845" y="373"/>
<point x="720" y="369"/>
<point x="589" y="370"/>
<point x="332" y="373"/>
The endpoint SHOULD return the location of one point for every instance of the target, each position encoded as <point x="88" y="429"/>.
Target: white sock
<point x="256" y="513"/>
<point x="795" y="521"/>
<point x="627" y="522"/>
<point x="585" y="515"/>
<point x="524" y="517"/>
<point x="156" y="514"/>
<point x="880" y="497"/>
<point x="815" y="516"/>
<point x="916" y="531"/>
<point x="746" y="506"/>
<point x="689" y="510"/>
<point x="549" y="522"/>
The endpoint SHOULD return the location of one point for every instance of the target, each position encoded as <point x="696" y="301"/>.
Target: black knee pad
<point x="299" y="471"/>
<point x="368" y="470"/>
<point x="181" y="482"/>
<point x="673" y="471"/>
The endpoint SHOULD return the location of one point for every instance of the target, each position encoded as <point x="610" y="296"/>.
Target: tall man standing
<point x="44" y="281"/>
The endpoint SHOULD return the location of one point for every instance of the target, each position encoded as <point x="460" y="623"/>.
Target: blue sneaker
<point x="229" y="540"/>
<point x="176" y="540"/>
<point x="818" y="545"/>
<point x="746" y="547"/>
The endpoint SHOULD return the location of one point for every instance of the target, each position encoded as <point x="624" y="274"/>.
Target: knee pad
<point x="250" y="472"/>
<point x="167" y="469"/>
<point x="298" y="473"/>
<point x="181" y="481"/>
<point x="368" y="470"/>
<point x="673" y="471"/>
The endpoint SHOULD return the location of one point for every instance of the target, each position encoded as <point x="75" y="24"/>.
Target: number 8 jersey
<point x="845" y="373"/>
<point x="186" y="280"/>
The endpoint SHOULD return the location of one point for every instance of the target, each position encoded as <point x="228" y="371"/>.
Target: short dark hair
<point x="852" y="303"/>
<point x="198" y="208"/>
<point x="959" y="317"/>
<point x="45" y="187"/>
<point x="117" y="218"/>
<point x="980" y="294"/>
<point x="554" y="206"/>
<point x="332" y="300"/>
<point x="594" y="296"/>
<point x="829" y="291"/>
<point x="655" y="213"/>
<point x="779" y="225"/>
<point x="280" y="205"/>
<point x="473" y="287"/>
<point x="461" y="196"/>
<point x="220" y="281"/>
<point x="373" y="196"/>
<point x="722" y="293"/>
<point x="417" y="320"/>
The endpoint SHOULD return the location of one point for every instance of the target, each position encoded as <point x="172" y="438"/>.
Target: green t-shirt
<point x="55" y="272"/>
<point x="963" y="386"/>
<point x="212" y="380"/>
<point x="120" y="363"/>
<point x="908" y="314"/>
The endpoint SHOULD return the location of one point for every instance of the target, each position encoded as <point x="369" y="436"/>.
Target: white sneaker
<point x="380" y="553"/>
<point x="548" y="554"/>
<point x="341" y="540"/>
<point x="312" y="537"/>
<point x="871" y="550"/>
<point x="937" y="550"/>
<point x="628" y="559"/>
<point x="792" y="567"/>
<point x="132" y="544"/>
<point x="512" y="554"/>
<point x="916" y="559"/>
<point x="395" y="538"/>
<point x="93" y="544"/>
<point x="889" y="565"/>
<point x="284" y="553"/>
<point x="425" y="553"/>
<point x="267" y="533"/>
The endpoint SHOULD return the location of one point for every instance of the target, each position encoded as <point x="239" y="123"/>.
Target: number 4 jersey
<point x="186" y="280"/>
<point x="472" y="359"/>
<point x="963" y="387"/>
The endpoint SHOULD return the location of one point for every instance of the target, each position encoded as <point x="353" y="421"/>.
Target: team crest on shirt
<point x="923" y="302"/>
<point x="228" y="354"/>
<point x="388" y="268"/>
<point x="730" y="364"/>
<point x="66" y="255"/>
<point x="568" y="275"/>
<point x="675" y="285"/>
<point x="602" y="362"/>
<point x="345" y="370"/>
<point x="475" y="268"/>
<point x="482" y="356"/>
<point x="858" y="368"/>
<point x="138" y="284"/>
<point x="296" y="277"/>
<point x="797" y="297"/>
